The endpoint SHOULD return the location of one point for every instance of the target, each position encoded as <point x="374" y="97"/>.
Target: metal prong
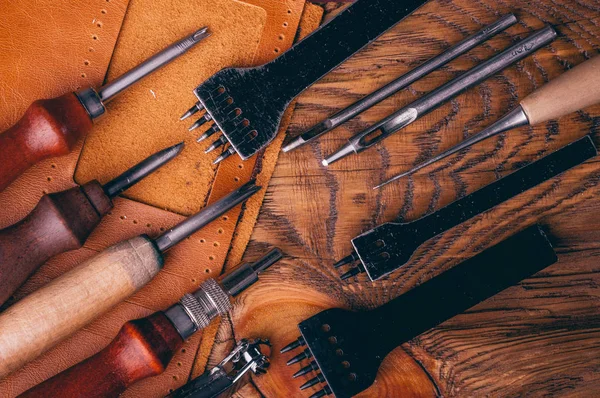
<point x="344" y="151"/>
<point x="192" y="111"/>
<point x="353" y="272"/>
<point x="213" y="129"/>
<point x="322" y="393"/>
<point x="228" y="152"/>
<point x="293" y="345"/>
<point x="222" y="140"/>
<point x="150" y="65"/>
<point x="205" y="118"/>
<point x="346" y="260"/>
<point x="141" y="170"/>
<point x="300" y="357"/>
<point x="319" y="379"/>
<point x="312" y="366"/>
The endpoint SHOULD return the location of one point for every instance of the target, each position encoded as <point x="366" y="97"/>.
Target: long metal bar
<point x="141" y="170"/>
<point x="208" y="214"/>
<point x="402" y="82"/>
<point x="438" y="97"/>
<point x="152" y="64"/>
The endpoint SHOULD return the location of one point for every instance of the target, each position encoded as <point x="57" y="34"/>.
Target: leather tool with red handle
<point x="144" y="347"/>
<point x="52" y="127"/>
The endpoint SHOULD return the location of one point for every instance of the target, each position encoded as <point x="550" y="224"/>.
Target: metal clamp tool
<point x="246" y="356"/>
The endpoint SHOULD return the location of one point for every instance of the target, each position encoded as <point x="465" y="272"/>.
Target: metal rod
<point x="438" y="97"/>
<point x="402" y="82"/>
<point x="514" y="119"/>
<point x="141" y="170"/>
<point x="208" y="214"/>
<point x="152" y="64"/>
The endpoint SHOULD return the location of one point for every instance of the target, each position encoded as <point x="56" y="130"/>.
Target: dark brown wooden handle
<point x="48" y="128"/>
<point x="60" y="222"/>
<point x="143" y="348"/>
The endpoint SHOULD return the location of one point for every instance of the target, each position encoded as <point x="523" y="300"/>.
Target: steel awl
<point x="574" y="90"/>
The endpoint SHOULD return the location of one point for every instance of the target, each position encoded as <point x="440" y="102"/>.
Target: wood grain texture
<point x="540" y="338"/>
<point x="143" y="348"/>
<point x="48" y="128"/>
<point x="49" y="315"/>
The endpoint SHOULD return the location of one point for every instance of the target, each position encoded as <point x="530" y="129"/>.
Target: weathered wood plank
<point x="539" y="338"/>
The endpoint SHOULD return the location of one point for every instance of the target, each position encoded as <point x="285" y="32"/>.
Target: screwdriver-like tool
<point x="44" y="318"/>
<point x="572" y="91"/>
<point x="63" y="221"/>
<point x="426" y="104"/>
<point x="144" y="347"/>
<point x="52" y="127"/>
<point x="402" y="82"/>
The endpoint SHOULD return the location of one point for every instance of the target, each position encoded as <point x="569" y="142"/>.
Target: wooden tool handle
<point x="60" y="222"/>
<point x="68" y="303"/>
<point x="574" y="90"/>
<point x="143" y="348"/>
<point x="48" y="128"/>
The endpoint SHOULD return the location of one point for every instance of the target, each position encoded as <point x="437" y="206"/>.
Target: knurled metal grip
<point x="195" y="311"/>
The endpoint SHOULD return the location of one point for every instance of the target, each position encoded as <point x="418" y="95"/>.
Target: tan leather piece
<point x="145" y="118"/>
<point x="126" y="220"/>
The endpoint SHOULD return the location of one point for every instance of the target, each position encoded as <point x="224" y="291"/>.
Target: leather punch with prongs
<point x="247" y="104"/>
<point x="390" y="246"/>
<point x="346" y="348"/>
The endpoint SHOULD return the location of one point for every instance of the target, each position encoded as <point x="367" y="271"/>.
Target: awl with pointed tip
<point x="426" y="104"/>
<point x="574" y="90"/>
<point x="63" y="221"/>
<point x="56" y="125"/>
<point x="144" y="347"/>
<point x="41" y="320"/>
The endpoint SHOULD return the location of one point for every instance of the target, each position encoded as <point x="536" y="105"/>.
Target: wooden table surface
<point x="540" y="338"/>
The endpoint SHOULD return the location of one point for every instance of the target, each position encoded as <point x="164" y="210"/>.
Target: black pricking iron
<point x="389" y="246"/>
<point x="347" y="348"/>
<point x="247" y="104"/>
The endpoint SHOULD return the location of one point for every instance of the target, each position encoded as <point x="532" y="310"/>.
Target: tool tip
<point x="351" y="273"/>
<point x="201" y="33"/>
<point x="325" y="163"/>
<point x="298" y="141"/>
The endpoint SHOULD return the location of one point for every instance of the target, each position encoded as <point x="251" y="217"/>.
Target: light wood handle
<point x="573" y="90"/>
<point x="41" y="320"/>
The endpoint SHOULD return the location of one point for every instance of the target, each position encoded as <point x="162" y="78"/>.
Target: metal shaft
<point x="208" y="214"/>
<point x="438" y="97"/>
<point x="514" y="119"/>
<point x="141" y="170"/>
<point x="403" y="81"/>
<point x="152" y="64"/>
